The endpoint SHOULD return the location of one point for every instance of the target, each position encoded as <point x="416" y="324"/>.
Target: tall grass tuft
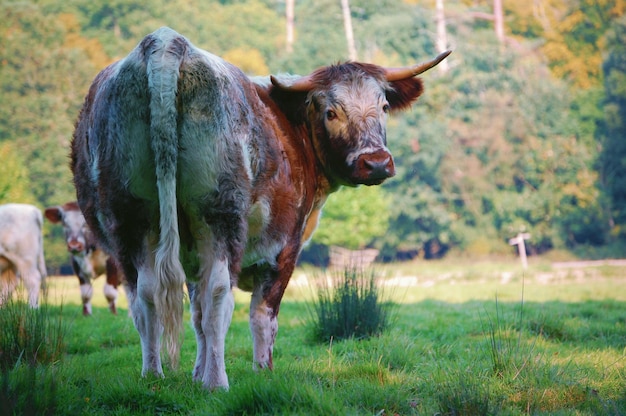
<point x="462" y="393"/>
<point x="29" y="335"/>
<point x="31" y="342"/>
<point x="510" y="353"/>
<point x="350" y="304"/>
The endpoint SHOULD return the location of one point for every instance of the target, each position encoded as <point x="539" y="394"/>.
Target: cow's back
<point x="215" y="125"/>
<point x="114" y="135"/>
<point x="112" y="150"/>
<point x="21" y="250"/>
<point x="20" y="231"/>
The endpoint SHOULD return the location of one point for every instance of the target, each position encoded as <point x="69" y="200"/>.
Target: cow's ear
<point x="403" y="93"/>
<point x="53" y="214"/>
<point x="291" y="103"/>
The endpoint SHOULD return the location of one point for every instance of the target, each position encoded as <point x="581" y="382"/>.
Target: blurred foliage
<point x="571" y="34"/>
<point x="352" y="217"/>
<point x="14" y="181"/>
<point x="613" y="134"/>
<point x="526" y="137"/>
<point x="249" y="61"/>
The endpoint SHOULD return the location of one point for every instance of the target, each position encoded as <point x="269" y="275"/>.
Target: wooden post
<point x="518" y="240"/>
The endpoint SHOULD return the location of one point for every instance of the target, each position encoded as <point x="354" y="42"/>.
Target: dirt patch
<point x="588" y="263"/>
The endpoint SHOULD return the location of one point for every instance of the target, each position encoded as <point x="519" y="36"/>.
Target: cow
<point x="88" y="259"/>
<point x="21" y="251"/>
<point x="190" y="172"/>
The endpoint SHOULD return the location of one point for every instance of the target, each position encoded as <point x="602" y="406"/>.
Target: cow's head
<point x="347" y="107"/>
<point x="74" y="225"/>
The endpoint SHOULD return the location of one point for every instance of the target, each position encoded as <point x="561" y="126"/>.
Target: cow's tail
<point x="164" y="58"/>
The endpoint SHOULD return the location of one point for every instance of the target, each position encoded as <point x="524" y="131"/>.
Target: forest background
<point x="524" y="130"/>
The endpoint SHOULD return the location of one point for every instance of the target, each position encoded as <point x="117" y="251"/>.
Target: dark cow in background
<point x="21" y="251"/>
<point x="189" y="171"/>
<point x="88" y="260"/>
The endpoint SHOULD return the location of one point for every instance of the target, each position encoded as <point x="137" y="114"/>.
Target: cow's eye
<point x="386" y="108"/>
<point x="330" y="115"/>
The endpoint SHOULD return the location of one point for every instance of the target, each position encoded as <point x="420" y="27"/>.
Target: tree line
<point x="524" y="131"/>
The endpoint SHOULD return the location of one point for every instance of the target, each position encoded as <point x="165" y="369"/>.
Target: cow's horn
<point x="396" y="74"/>
<point x="302" y="84"/>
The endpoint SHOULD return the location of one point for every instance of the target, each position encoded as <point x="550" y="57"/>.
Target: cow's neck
<point x="307" y="167"/>
<point x="298" y="140"/>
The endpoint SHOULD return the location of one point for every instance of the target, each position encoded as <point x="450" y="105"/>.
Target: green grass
<point x="461" y="343"/>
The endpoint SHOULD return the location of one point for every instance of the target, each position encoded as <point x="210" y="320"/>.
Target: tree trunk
<point x="442" y="38"/>
<point x="347" y="24"/>
<point x="497" y="17"/>
<point x="498" y="20"/>
<point x="289" y="14"/>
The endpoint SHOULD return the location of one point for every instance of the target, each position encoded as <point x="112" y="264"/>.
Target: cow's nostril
<point x="376" y="165"/>
<point x="374" y="168"/>
<point x="379" y="169"/>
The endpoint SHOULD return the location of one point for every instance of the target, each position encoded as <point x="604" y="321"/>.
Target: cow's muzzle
<point x="75" y="247"/>
<point x="373" y="168"/>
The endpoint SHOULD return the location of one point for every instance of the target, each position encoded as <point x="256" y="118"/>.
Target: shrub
<point x="350" y="304"/>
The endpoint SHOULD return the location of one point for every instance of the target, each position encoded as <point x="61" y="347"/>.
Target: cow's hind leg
<point x="196" y="321"/>
<point x="8" y="280"/>
<point x="141" y="297"/>
<point x="32" y="281"/>
<point x="31" y="278"/>
<point x="212" y="309"/>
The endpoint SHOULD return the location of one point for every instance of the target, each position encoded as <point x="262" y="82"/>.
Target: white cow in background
<point x="21" y="250"/>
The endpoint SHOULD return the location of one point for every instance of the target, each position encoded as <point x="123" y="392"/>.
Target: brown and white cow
<point x="21" y="250"/>
<point x="88" y="259"/>
<point x="189" y="171"/>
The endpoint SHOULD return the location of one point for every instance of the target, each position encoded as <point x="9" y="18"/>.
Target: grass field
<point x="466" y="339"/>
